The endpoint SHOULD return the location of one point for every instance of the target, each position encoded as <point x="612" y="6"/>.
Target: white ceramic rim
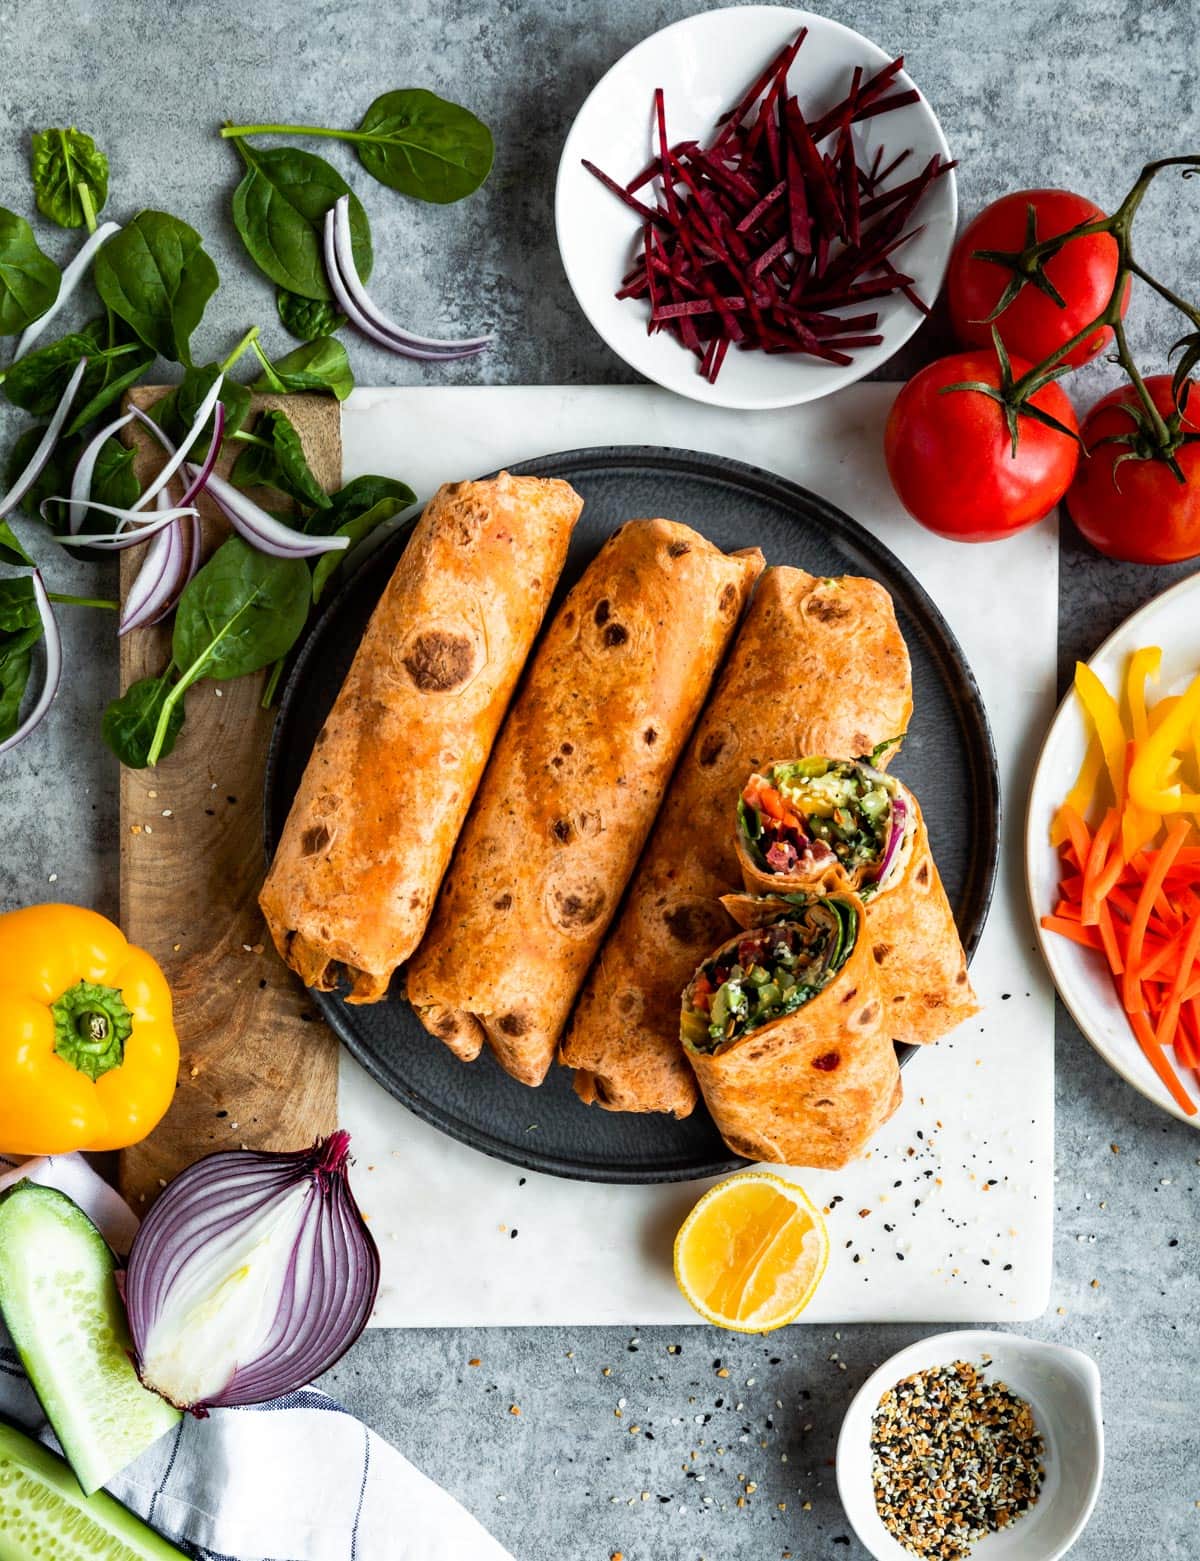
<point x="1076" y="996"/>
<point x="957" y="1343"/>
<point x="835" y="376"/>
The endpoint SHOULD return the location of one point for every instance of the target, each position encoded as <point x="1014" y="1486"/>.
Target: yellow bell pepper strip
<point x="1106" y="718"/>
<point x="1079" y="798"/>
<point x="1150" y="768"/>
<point x="88" y="1052"/>
<point x="1139" y="828"/>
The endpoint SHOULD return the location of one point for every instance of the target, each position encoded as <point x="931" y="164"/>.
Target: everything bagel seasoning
<point x="953" y="1458"/>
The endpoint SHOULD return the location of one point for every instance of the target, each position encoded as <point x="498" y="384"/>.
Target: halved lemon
<point x="751" y="1253"/>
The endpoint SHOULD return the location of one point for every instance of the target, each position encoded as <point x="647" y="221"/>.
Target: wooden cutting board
<point x="258" y="1069"/>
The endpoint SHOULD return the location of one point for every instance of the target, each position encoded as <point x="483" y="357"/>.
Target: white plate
<point x="1060" y="1385"/>
<point x="703" y="64"/>
<point x="1172" y="621"/>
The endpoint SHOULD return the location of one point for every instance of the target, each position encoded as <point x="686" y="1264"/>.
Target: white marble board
<point x="949" y="1217"/>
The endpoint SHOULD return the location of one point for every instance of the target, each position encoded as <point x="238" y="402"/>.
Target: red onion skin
<point x="162" y="1243"/>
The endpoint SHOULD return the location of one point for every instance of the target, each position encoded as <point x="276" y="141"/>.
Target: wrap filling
<point x="806" y="815"/>
<point x="768" y="972"/>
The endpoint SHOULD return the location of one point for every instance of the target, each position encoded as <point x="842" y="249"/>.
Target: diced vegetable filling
<point x="769" y="972"/>
<point x="814" y="813"/>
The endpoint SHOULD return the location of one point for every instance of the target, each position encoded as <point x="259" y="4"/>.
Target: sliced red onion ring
<point x="251" y="1275"/>
<point x="263" y="531"/>
<point x="71" y="279"/>
<point x="117" y="541"/>
<point x="355" y="302"/>
<point x="178" y="456"/>
<point x="899" y="822"/>
<point x="85" y="468"/>
<point x="46" y="447"/>
<point x="52" y="672"/>
<point x="152" y="592"/>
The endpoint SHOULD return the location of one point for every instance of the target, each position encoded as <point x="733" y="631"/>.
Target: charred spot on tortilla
<point x="711" y="750"/>
<point x="849" y="996"/>
<point x="561" y="829"/>
<point x="439" y="661"/>
<point x="568" y="619"/>
<point x="314" y="839"/>
<point x="881" y="952"/>
<point x="502" y="902"/>
<point x="922" y="874"/>
<point x="650" y="736"/>
<point x="628" y="1002"/>
<point x="729" y="598"/>
<point x="678" y="549"/>
<point x="602" y="612"/>
<point x="576" y="907"/>
<point x="961" y="978"/>
<point x="869" y="1014"/>
<point x="695" y="923"/>
<point x="568" y="749"/>
<point x="616" y="634"/>
<point x="826" y="611"/>
<point x="828" y="1062"/>
<point x="513" y="1024"/>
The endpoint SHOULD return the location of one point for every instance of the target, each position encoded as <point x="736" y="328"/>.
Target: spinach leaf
<point x="129" y="722"/>
<point x="356" y="498"/>
<point x="36" y="382"/>
<point x="60" y="161"/>
<point x="18" y="605"/>
<point x="241" y="612"/>
<point x="276" y="460"/>
<point x="11" y="551"/>
<point x="54" y="482"/>
<point x="29" y="280"/>
<point x="16" y="661"/>
<point x="278" y="209"/>
<point x="420" y="144"/>
<point x="307" y="318"/>
<point x="156" y="276"/>
<point x="179" y="408"/>
<point x="317" y="366"/>
<point x="357" y="528"/>
<point x="114" y="480"/>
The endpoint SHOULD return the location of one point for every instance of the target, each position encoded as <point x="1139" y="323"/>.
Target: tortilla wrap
<point x="572" y="790"/>
<point x="811" y="1087"/>
<point x="395" y="766"/>
<point x="818" y="666"/>
<point x="921" y="966"/>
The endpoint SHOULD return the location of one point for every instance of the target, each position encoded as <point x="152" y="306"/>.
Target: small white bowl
<point x="703" y="64"/>
<point x="1062" y="1386"/>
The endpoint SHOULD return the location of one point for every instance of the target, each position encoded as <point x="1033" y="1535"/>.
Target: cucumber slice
<point x="58" y="1297"/>
<point x="43" y="1514"/>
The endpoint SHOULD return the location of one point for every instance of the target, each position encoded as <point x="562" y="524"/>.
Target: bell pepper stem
<point x="91" y="1027"/>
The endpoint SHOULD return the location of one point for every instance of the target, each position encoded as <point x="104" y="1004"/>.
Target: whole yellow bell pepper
<point x="88" y="1051"/>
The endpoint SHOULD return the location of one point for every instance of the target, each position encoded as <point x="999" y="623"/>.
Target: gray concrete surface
<point x="1079" y="93"/>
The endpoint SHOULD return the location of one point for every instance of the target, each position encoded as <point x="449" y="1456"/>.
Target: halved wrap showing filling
<point x="572" y="789"/>
<point x="819" y="666"/>
<point x="821" y="820"/>
<point x="783" y="1027"/>
<point x="775" y="970"/>
<point x="818" y="822"/>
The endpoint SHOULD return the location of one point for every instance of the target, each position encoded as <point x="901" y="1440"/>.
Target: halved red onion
<point x="51" y="672"/>
<point x="45" y="447"/>
<point x="71" y="279"/>
<point x="263" y="531"/>
<point x="355" y="302"/>
<point x="251" y="1275"/>
<point x="85" y="469"/>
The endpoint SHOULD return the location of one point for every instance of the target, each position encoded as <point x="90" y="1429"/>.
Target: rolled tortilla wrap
<point x="782" y="1027"/>
<point x="572" y="790"/>
<point x="393" y="771"/>
<point x="818" y="666"/>
<point x="816" y="821"/>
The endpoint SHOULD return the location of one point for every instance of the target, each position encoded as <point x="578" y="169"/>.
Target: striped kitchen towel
<point x="297" y="1479"/>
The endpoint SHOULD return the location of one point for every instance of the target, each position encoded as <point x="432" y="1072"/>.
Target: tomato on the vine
<point x="950" y="456"/>
<point x="1034" y="324"/>
<point x="1126" y="502"/>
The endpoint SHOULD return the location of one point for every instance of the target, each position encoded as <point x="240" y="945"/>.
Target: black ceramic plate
<point x="947" y="758"/>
